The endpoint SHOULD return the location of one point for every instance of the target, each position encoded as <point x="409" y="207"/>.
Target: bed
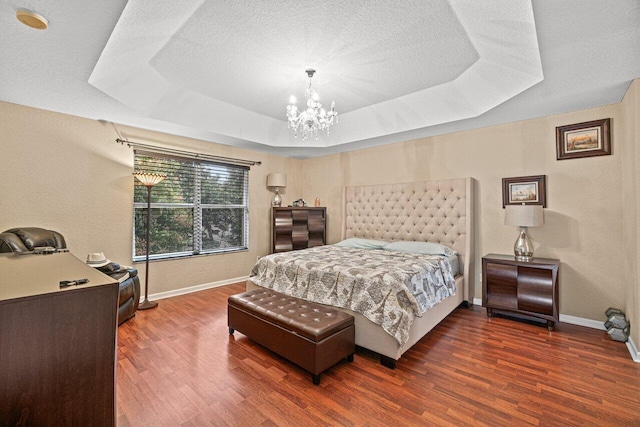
<point x="439" y="212"/>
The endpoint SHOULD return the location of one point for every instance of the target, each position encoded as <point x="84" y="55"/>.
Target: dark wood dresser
<point x="57" y="346"/>
<point x="297" y="228"/>
<point x="523" y="287"/>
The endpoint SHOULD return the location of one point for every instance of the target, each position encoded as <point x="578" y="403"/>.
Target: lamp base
<point x="523" y="248"/>
<point x="277" y="200"/>
<point x="146" y="305"/>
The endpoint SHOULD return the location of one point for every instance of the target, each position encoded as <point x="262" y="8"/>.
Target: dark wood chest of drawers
<point x="297" y="228"/>
<point x="523" y="287"/>
<point x="57" y="346"/>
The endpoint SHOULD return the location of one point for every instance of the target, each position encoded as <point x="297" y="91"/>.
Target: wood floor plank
<point x="178" y="366"/>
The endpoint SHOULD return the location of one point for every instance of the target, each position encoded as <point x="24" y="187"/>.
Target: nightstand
<point x="528" y="288"/>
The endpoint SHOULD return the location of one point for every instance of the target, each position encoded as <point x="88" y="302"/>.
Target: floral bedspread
<point x="388" y="288"/>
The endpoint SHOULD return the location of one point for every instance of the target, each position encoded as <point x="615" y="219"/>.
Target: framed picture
<point x="583" y="140"/>
<point x="530" y="190"/>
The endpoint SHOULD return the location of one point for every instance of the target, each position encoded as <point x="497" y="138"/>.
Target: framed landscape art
<point x="583" y="140"/>
<point x="528" y="190"/>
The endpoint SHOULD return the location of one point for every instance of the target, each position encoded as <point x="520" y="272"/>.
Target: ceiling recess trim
<point x="502" y="32"/>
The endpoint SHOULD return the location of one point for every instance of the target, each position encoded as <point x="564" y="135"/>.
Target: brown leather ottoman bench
<point x="313" y="336"/>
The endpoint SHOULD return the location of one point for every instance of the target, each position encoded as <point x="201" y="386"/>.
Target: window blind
<point x="201" y="207"/>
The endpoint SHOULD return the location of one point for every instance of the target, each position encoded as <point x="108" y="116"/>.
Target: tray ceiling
<point x="223" y="71"/>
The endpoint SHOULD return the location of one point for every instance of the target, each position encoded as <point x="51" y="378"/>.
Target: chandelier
<point x="314" y="118"/>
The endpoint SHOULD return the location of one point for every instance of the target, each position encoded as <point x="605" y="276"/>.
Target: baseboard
<point x="190" y="289"/>
<point x="581" y="321"/>
<point x="589" y="323"/>
<point x="633" y="350"/>
<point x="565" y="318"/>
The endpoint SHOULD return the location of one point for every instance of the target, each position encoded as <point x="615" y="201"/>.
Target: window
<point x="201" y="207"/>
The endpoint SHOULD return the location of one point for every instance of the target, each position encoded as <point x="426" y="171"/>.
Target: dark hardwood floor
<point x="178" y="366"/>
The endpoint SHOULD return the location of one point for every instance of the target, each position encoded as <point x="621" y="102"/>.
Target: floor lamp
<point x="148" y="180"/>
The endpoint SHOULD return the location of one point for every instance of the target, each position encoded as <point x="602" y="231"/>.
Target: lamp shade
<point x="149" y="179"/>
<point x="276" y="180"/>
<point x="524" y="215"/>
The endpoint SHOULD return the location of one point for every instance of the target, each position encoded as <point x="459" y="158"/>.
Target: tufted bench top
<point x="311" y="320"/>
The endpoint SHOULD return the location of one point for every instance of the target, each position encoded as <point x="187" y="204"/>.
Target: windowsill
<point x="188" y="256"/>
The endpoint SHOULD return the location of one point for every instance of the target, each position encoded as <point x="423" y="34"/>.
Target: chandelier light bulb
<point x="314" y="118"/>
<point x="292" y="100"/>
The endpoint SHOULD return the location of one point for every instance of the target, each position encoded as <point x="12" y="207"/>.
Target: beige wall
<point x="629" y="141"/>
<point x="583" y="219"/>
<point x="67" y="173"/>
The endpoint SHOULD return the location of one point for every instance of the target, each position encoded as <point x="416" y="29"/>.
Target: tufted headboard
<point x="426" y="211"/>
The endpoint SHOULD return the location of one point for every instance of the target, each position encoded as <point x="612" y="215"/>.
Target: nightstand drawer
<point x="502" y="275"/>
<point x="502" y="285"/>
<point x="535" y="290"/>
<point x="535" y="302"/>
<point x="536" y="279"/>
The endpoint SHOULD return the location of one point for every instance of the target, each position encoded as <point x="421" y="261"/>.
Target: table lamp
<point x="277" y="180"/>
<point x="524" y="216"/>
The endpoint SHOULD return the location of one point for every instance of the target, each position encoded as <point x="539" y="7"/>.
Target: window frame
<point x="197" y="208"/>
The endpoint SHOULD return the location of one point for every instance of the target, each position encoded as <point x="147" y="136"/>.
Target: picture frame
<point x="528" y="190"/>
<point x="586" y="139"/>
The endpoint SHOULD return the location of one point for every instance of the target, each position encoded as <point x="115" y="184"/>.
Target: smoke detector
<point x="32" y="19"/>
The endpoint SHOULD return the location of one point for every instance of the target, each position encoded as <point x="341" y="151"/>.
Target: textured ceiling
<point x="355" y="47"/>
<point x="378" y="60"/>
<point x="223" y="71"/>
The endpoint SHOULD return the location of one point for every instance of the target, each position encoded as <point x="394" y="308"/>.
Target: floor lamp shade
<point x="277" y="180"/>
<point x="148" y="179"/>
<point x="523" y="216"/>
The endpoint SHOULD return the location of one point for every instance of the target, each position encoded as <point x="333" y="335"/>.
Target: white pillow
<point x="424" y="248"/>
<point x="357" y="243"/>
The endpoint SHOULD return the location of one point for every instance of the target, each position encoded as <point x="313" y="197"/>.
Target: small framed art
<point x="530" y="190"/>
<point x="583" y="139"/>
